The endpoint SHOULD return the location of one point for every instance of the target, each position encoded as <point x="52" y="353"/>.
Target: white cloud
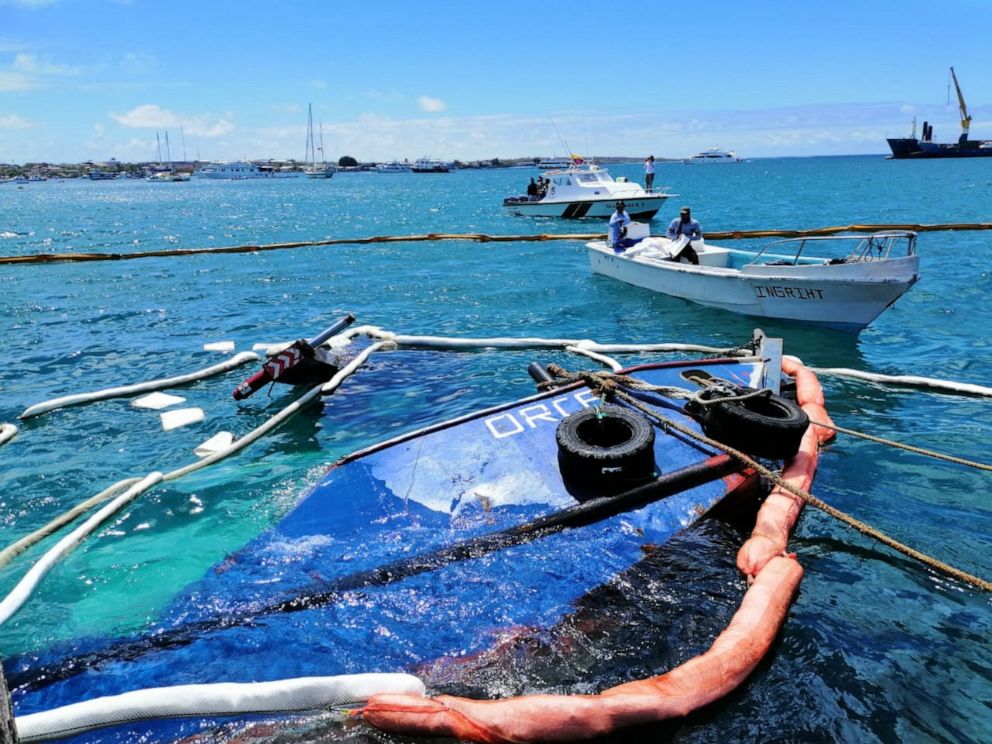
<point x="427" y="103"/>
<point x="32" y="64"/>
<point x="13" y="121"/>
<point x="153" y="116"/>
<point x="12" y="81"/>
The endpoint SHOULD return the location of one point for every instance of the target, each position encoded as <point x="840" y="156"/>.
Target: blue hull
<point x="333" y="588"/>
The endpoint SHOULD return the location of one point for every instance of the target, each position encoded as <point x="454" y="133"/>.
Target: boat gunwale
<point x="754" y="271"/>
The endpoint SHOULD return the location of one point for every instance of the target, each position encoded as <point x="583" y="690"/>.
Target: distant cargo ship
<point x="925" y="147"/>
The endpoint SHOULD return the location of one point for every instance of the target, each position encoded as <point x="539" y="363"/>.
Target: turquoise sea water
<point x="875" y="648"/>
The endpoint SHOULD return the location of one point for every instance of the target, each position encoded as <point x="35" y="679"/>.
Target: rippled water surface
<point x="876" y="648"/>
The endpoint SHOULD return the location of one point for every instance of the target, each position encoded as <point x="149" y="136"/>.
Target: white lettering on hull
<point x="526" y="419"/>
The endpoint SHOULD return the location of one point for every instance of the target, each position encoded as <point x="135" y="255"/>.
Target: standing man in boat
<point x="684" y="225"/>
<point x="649" y="174"/>
<point x="618" y="227"/>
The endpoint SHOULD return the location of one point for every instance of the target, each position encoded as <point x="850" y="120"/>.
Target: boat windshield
<point x="838" y="249"/>
<point x="596" y="177"/>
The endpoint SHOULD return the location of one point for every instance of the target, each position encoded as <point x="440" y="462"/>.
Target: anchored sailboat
<point x="166" y="174"/>
<point x="315" y="169"/>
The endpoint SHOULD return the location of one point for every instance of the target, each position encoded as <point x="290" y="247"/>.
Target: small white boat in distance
<point x="546" y="164"/>
<point x="167" y="176"/>
<point x="842" y="282"/>
<point x="715" y="155"/>
<point x="394" y="166"/>
<point x="240" y="170"/>
<point x="587" y="190"/>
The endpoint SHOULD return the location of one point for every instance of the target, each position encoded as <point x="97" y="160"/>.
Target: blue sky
<point x="95" y="79"/>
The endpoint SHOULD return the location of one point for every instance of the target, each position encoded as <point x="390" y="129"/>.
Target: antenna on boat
<point x="568" y="150"/>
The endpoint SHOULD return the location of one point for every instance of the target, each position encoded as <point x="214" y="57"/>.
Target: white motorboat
<point x="587" y="190"/>
<point x="842" y="282"/>
<point x="715" y="155"/>
<point x="238" y="170"/>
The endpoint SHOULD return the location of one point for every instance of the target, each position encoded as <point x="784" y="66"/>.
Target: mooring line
<point x="909" y="447"/>
<point x="592" y="381"/>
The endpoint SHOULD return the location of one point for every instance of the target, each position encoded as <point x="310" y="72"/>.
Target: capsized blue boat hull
<point x="360" y="575"/>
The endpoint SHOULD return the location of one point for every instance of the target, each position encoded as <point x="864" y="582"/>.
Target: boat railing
<point x="877" y="246"/>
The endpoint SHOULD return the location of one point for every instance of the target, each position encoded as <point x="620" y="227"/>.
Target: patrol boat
<point x="585" y="189"/>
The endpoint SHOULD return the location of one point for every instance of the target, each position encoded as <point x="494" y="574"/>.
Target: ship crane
<point x="965" y="117"/>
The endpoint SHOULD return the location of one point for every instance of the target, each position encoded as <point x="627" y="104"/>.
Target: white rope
<point x="932" y="383"/>
<point x="141" y="387"/>
<point x="7" y="432"/>
<point x="502" y="342"/>
<point x="20" y="593"/>
<point x="613" y="364"/>
<point x="947" y="386"/>
<point x="210" y="700"/>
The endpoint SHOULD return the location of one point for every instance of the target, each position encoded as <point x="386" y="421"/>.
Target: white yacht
<point x="715" y="155"/>
<point x="547" y="164"/>
<point x="424" y="165"/>
<point x="239" y="170"/>
<point x="587" y="190"/>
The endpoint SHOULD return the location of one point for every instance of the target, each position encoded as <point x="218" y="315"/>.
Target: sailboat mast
<point x="311" y="155"/>
<point x="158" y="148"/>
<point x="322" y="143"/>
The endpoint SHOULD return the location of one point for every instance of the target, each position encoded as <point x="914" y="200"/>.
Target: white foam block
<point x="181" y="417"/>
<point x="219" y="441"/>
<point x="157" y="401"/>
<point x="219" y="346"/>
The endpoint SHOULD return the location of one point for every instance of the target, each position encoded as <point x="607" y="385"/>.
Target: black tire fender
<point x="764" y="425"/>
<point x="604" y="451"/>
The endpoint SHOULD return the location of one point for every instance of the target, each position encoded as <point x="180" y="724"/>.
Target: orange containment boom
<point x="774" y="578"/>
